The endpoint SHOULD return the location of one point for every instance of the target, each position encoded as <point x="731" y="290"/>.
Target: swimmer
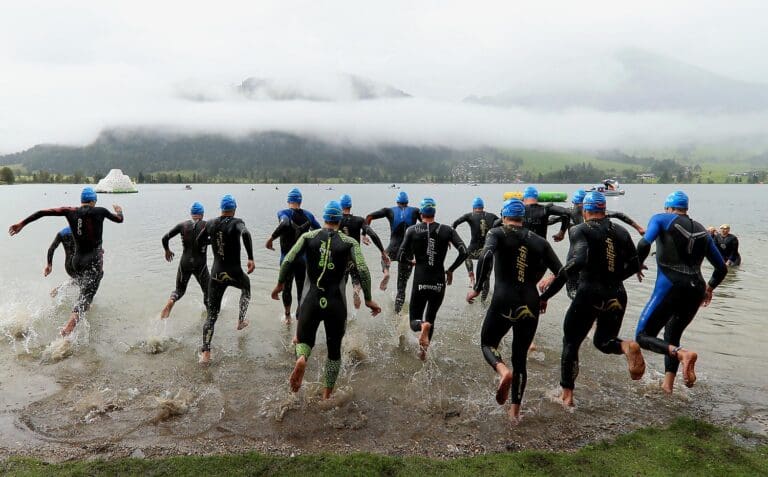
<point x="480" y="222"/>
<point x="64" y="238"/>
<point x="729" y="246"/>
<point x="328" y="256"/>
<point x="681" y="246"/>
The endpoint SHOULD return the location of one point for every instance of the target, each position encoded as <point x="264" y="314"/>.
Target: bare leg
<point x="70" y="326"/>
<point x="502" y="392"/>
<point x="384" y="280"/>
<point x="287" y="316"/>
<point x="356" y="297"/>
<point x="635" y="359"/>
<point x="297" y="376"/>
<point x="424" y="340"/>
<point x="669" y="382"/>
<point x="167" y="310"/>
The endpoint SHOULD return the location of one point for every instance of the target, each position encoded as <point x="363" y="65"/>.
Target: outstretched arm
<point x="462" y="249"/>
<point x="168" y="236"/>
<point x="296" y="251"/>
<point x="367" y="230"/>
<point x="59" y="212"/>
<point x="52" y="249"/>
<point x="460" y="220"/>
<point x="379" y="214"/>
<point x="117" y="217"/>
<point x="626" y="219"/>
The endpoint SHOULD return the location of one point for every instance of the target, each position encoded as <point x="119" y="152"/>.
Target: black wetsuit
<point x="479" y="225"/>
<point x="224" y="233"/>
<point x="537" y="218"/>
<point x="194" y="259"/>
<point x="329" y="255"/>
<point x="602" y="255"/>
<point x="400" y="218"/>
<point x="429" y="244"/>
<point x="293" y="223"/>
<point x="681" y="246"/>
<point x="67" y="240"/>
<point x="729" y="249"/>
<point x="87" y="225"/>
<point x="354" y="226"/>
<point x="520" y="258"/>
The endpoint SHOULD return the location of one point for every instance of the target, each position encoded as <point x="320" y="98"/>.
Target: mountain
<point x="342" y="87"/>
<point x="645" y="82"/>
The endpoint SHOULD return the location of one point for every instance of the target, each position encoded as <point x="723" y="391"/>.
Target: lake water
<point x="108" y="395"/>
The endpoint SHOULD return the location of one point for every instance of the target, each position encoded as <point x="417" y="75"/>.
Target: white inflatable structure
<point x="116" y="183"/>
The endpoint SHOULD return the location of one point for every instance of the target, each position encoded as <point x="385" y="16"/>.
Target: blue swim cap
<point x="196" y="209"/>
<point x="65" y="231"/>
<point x="294" y="196"/>
<point x="530" y="192"/>
<point x="228" y="203"/>
<point x="594" y="202"/>
<point x="427" y="206"/>
<point x="345" y="201"/>
<point x="478" y="203"/>
<point x="332" y="212"/>
<point x="513" y="208"/>
<point x="677" y="200"/>
<point x="402" y="198"/>
<point x="578" y="197"/>
<point x="87" y="195"/>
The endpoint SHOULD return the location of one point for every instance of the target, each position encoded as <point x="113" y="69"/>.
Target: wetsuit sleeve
<point x="117" y="218"/>
<point x="405" y="253"/>
<point x="460" y="220"/>
<point x="462" y="249"/>
<point x="247" y="241"/>
<point x="578" y="254"/>
<point x="565" y="217"/>
<point x="496" y="223"/>
<point x="362" y="269"/>
<point x="735" y="252"/>
<point x="282" y="227"/>
<point x="621" y="216"/>
<point x="631" y="260"/>
<point x="53" y="247"/>
<point x="716" y="259"/>
<point x="367" y="230"/>
<point x="58" y="212"/>
<point x="313" y="223"/>
<point x="171" y="233"/>
<point x="485" y="262"/>
<point x="295" y="251"/>
<point x="378" y="214"/>
<point x="550" y="259"/>
<point x="651" y="232"/>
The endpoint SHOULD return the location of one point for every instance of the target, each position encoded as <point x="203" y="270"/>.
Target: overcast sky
<point x="70" y="68"/>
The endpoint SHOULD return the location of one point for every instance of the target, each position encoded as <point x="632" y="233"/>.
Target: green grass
<point x="687" y="447"/>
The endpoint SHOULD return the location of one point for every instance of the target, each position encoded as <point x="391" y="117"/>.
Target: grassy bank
<point x="687" y="447"/>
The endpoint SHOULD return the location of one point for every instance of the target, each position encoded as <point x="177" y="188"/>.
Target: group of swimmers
<point x="324" y="256"/>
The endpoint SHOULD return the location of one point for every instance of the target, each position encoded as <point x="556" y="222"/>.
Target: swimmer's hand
<point x="277" y="290"/>
<point x="366" y="240"/>
<point x="542" y="307"/>
<point x="385" y="258"/>
<point x="707" y="296"/>
<point x="640" y="230"/>
<point x="375" y="308"/>
<point x="559" y="236"/>
<point x="168" y="255"/>
<point x="448" y="277"/>
<point x="546" y="283"/>
<point x="269" y="244"/>
<point x="15" y="228"/>
<point x="251" y="266"/>
<point x="47" y="270"/>
<point x="471" y="295"/>
<point x="118" y="210"/>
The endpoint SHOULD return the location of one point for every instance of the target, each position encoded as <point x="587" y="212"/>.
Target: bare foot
<point x="327" y="393"/>
<point x="422" y="353"/>
<point x="287" y="318"/>
<point x="356" y="299"/>
<point x="567" y="397"/>
<point x="532" y="347"/>
<point x="297" y="376"/>
<point x="669" y="383"/>
<point x="502" y="392"/>
<point x="514" y="414"/>
<point x="243" y="324"/>
<point x="69" y="327"/>
<point x="384" y="282"/>
<point x="688" y="360"/>
<point x="424" y="336"/>
<point x="54" y="292"/>
<point x="205" y="358"/>
<point x="167" y="310"/>
<point x="635" y="359"/>
<point x="471" y="279"/>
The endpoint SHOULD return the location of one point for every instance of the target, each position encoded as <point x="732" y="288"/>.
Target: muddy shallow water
<point x="131" y="382"/>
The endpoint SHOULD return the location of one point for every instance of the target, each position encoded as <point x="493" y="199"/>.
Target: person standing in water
<point x="329" y="254"/>
<point x="64" y="238"/>
<point x="293" y="222"/>
<point x="519" y="258"/>
<point x="729" y="246"/>
<point x="480" y="222"/>
<point x="400" y="218"/>
<point x="224" y="234"/>
<point x="428" y="242"/>
<point x="87" y="224"/>
<point x="602" y="255"/>
<point x="194" y="259"/>
<point x="681" y="246"/>
<point x="355" y="227"/>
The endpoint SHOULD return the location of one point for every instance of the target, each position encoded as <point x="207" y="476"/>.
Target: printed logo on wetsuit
<point x="522" y="263"/>
<point x="430" y="249"/>
<point x="80" y="227"/>
<point x="325" y="255"/>
<point x="436" y="288"/>
<point x="519" y="313"/>
<point x="610" y="254"/>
